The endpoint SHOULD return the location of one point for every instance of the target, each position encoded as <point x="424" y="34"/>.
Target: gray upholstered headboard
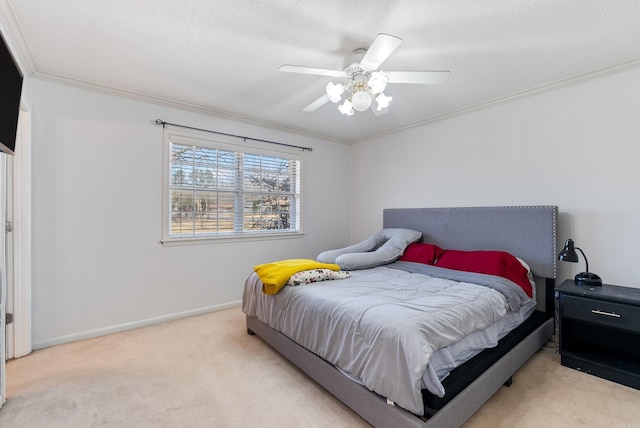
<point x="528" y="232"/>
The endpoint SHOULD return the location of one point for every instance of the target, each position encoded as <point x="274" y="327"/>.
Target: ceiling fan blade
<point x="383" y="46"/>
<point x="310" y="70"/>
<point x="423" y="77"/>
<point x="317" y="103"/>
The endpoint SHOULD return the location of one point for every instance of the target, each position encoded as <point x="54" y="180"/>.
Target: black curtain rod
<point x="163" y="123"/>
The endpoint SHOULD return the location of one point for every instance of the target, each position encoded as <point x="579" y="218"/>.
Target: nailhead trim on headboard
<point x="528" y="232"/>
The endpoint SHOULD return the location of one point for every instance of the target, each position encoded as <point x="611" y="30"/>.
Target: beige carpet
<point x="207" y="372"/>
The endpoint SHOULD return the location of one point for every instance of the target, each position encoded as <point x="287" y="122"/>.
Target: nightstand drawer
<point x="617" y="315"/>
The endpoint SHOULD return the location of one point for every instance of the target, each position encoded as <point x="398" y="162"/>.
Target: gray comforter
<point x="383" y="324"/>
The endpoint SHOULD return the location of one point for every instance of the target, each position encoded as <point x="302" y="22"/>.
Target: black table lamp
<point x="568" y="254"/>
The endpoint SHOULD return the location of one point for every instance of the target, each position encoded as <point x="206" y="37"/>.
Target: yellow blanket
<point x="275" y="275"/>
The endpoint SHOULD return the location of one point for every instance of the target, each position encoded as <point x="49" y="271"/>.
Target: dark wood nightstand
<point x="599" y="330"/>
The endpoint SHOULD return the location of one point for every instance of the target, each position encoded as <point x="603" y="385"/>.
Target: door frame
<point x="3" y="282"/>
<point x="18" y="241"/>
<point x="15" y="247"/>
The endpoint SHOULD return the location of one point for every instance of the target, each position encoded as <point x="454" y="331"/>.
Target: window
<point x="216" y="188"/>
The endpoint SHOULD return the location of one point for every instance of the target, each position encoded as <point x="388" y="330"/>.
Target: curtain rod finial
<point x="159" y="122"/>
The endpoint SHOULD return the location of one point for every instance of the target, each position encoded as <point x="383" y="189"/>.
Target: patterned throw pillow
<point x="316" y="275"/>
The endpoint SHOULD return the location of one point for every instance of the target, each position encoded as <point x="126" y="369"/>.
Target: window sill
<point x="202" y="240"/>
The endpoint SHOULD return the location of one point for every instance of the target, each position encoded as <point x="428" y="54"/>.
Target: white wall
<point x="577" y="147"/>
<point x="98" y="265"/>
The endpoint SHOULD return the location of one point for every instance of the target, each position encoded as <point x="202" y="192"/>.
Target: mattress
<point x="434" y="360"/>
<point x="444" y="360"/>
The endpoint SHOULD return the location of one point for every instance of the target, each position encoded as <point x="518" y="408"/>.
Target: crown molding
<point x="514" y="97"/>
<point x="14" y="39"/>
<point x="276" y="126"/>
<point x="180" y="105"/>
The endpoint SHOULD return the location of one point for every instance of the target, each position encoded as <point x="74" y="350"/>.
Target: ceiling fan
<point x="366" y="82"/>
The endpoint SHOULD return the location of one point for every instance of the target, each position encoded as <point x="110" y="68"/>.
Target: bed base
<point x="374" y="408"/>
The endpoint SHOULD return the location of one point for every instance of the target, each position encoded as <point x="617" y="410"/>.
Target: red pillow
<point x="421" y="253"/>
<point x="497" y="263"/>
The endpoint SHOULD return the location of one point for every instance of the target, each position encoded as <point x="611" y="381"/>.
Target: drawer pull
<point x="609" y="314"/>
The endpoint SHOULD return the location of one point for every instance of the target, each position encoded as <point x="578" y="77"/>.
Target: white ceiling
<point x="222" y="57"/>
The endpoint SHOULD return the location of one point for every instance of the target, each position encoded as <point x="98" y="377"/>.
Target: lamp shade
<point x="335" y="92"/>
<point x="378" y="82"/>
<point x="383" y="101"/>
<point x="569" y="254"/>
<point x="346" y="108"/>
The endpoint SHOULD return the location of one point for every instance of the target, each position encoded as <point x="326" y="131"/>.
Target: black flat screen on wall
<point x="10" y="90"/>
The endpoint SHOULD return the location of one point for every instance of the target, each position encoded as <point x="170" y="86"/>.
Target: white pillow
<point x="384" y="246"/>
<point x="316" y="275"/>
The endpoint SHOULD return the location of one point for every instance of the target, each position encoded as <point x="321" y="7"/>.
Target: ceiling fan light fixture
<point x="378" y="82"/>
<point x="346" y="108"/>
<point x="366" y="80"/>
<point x="383" y="101"/>
<point x="334" y="92"/>
<point x="361" y="100"/>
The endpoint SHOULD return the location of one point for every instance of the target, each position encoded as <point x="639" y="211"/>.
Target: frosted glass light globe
<point x="361" y="100"/>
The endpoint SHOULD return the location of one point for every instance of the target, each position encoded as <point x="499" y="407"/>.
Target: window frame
<point x="224" y="142"/>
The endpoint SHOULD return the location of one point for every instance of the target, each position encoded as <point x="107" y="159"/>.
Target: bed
<point x="527" y="232"/>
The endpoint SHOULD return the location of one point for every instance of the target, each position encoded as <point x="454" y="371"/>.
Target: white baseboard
<point x="59" y="340"/>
